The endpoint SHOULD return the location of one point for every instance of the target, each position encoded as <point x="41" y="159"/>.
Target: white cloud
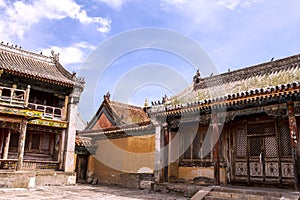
<point x="74" y="54"/>
<point x="233" y="4"/>
<point x="19" y="16"/>
<point x="115" y="4"/>
<point x="175" y="2"/>
<point x="2" y="3"/>
<point x="196" y="12"/>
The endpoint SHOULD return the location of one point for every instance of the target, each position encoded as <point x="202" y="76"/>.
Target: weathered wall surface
<point x="118" y="160"/>
<point x="207" y="173"/>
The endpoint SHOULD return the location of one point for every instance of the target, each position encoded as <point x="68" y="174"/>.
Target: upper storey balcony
<point x="13" y="97"/>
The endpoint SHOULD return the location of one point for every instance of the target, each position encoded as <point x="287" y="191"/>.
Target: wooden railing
<point x="10" y="164"/>
<point x="14" y="97"/>
<point x="49" y="111"/>
<point x="20" y="98"/>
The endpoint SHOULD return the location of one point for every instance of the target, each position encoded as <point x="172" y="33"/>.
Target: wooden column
<point x="159" y="153"/>
<point x="166" y="152"/>
<point x="216" y="156"/>
<point x="26" y="96"/>
<point x="294" y="139"/>
<point x="6" y="145"/>
<point x="61" y="148"/>
<point x="21" y="146"/>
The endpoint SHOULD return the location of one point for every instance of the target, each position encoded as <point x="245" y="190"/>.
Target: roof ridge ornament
<point x="197" y="77"/>
<point x="55" y="56"/>
<point x="107" y="96"/>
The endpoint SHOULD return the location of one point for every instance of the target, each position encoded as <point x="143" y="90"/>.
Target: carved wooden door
<point x="263" y="158"/>
<point x="262" y="153"/>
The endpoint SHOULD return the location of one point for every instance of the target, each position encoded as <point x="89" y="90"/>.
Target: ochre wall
<point x="189" y="173"/>
<point x="124" y="155"/>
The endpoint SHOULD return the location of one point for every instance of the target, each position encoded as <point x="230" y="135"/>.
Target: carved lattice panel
<point x="255" y="146"/>
<point x="255" y="169"/>
<point x="241" y="169"/>
<point x="272" y="169"/>
<point x="253" y="129"/>
<point x="241" y="143"/>
<point x="261" y="128"/>
<point x="271" y="146"/>
<point x="287" y="170"/>
<point x="285" y="141"/>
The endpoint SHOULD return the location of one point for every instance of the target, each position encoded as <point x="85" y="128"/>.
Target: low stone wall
<point x="28" y="179"/>
<point x="55" y="178"/>
<point x="13" y="179"/>
<point x="136" y="180"/>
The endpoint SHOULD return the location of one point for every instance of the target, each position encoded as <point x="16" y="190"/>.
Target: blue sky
<point x="233" y="33"/>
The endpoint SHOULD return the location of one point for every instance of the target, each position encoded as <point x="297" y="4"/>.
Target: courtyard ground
<point x="82" y="191"/>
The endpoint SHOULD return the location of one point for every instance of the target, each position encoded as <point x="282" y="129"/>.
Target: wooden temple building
<point x="38" y="110"/>
<point x="239" y="127"/>
<point x="120" y="146"/>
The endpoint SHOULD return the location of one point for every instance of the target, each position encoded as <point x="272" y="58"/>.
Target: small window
<point x="36" y="141"/>
<point x="14" y="140"/>
<point x="45" y="142"/>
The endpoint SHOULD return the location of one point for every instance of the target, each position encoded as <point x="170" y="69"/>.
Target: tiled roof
<point x="262" y="76"/>
<point x="31" y="65"/>
<point x="84" y="142"/>
<point x="250" y="98"/>
<point x="127" y="120"/>
<point x="129" y="114"/>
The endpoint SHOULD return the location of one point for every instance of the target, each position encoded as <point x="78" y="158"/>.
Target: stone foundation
<point x="28" y="179"/>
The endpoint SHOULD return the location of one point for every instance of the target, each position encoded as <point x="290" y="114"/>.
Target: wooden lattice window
<point x="285" y="141"/>
<point x="193" y="144"/>
<point x="241" y="143"/>
<point x="271" y="146"/>
<point x="255" y="146"/>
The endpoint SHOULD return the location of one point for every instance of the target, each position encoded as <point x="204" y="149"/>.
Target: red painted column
<point x="294" y="139"/>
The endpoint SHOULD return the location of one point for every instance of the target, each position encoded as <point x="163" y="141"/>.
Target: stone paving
<point x="82" y="192"/>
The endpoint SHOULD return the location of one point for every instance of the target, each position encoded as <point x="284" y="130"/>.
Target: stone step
<point x="258" y="192"/>
<point x="216" y="198"/>
<point x="183" y="189"/>
<point x="225" y="195"/>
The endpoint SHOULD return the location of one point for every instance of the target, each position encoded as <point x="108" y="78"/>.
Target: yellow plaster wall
<point x="123" y="155"/>
<point x="189" y="173"/>
<point x="140" y="155"/>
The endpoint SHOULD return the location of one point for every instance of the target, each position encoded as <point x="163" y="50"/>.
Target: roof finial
<point x="146" y="104"/>
<point x="107" y="96"/>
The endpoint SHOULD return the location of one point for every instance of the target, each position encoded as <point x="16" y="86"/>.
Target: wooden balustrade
<point x="14" y="97"/>
<point x="49" y="111"/>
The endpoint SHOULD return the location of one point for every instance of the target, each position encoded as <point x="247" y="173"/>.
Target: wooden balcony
<point x="14" y="97"/>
